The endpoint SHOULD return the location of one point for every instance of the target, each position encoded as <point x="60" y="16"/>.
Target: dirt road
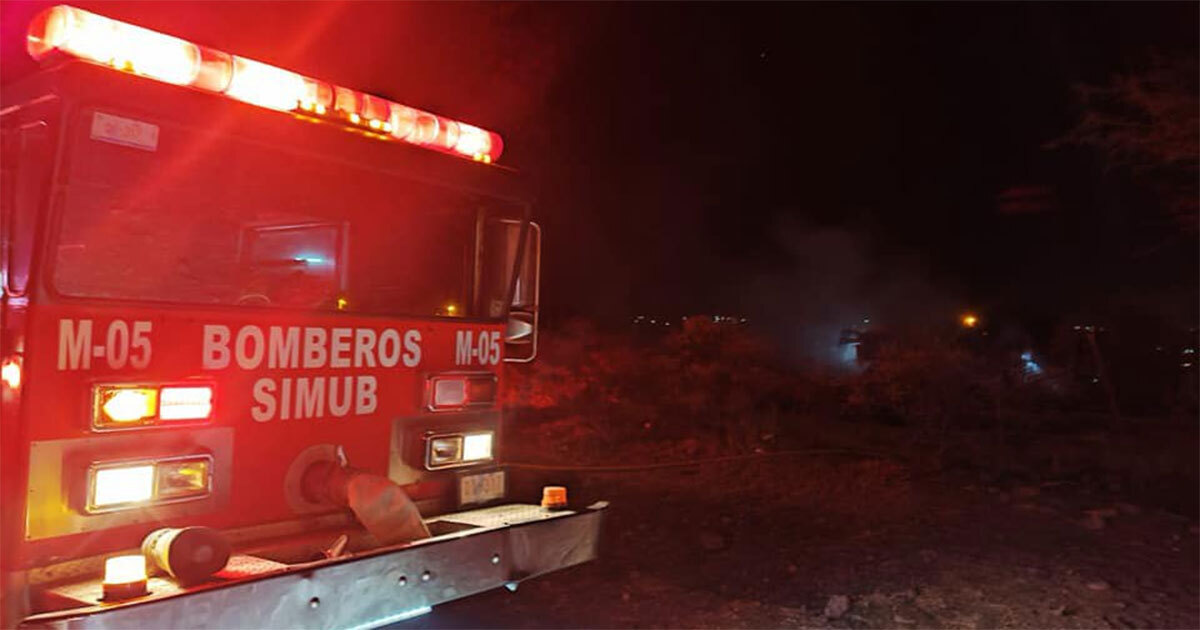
<point x="850" y="543"/>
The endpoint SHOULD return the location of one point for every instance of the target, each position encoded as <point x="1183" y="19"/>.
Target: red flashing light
<point x="318" y="96"/>
<point x="147" y="53"/>
<point x="266" y="86"/>
<point x="109" y="42"/>
<point x="375" y="108"/>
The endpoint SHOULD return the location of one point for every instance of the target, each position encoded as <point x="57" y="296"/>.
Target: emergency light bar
<point x="147" y="53"/>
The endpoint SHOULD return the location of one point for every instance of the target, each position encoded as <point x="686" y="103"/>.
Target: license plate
<point x="481" y="487"/>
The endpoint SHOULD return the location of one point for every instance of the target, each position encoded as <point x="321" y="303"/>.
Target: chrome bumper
<point x="493" y="547"/>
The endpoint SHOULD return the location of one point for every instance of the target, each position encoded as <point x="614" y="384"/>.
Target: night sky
<point x="754" y="158"/>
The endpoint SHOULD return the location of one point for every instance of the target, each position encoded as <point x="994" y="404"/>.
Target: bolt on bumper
<point x="500" y="546"/>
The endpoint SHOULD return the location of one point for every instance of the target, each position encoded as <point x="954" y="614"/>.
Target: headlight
<point x="477" y="447"/>
<point x="183" y="478"/>
<point x="444" y="451"/>
<point x="118" y="486"/>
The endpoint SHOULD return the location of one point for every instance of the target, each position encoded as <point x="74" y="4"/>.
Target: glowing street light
<point x="969" y="320"/>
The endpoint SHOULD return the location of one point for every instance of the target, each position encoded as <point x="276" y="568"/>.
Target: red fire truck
<point x="254" y="325"/>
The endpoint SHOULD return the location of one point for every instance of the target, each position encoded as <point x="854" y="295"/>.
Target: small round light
<point x="554" y="497"/>
<point x="124" y="577"/>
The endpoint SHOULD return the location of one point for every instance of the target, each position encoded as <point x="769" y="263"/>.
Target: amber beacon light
<point x="124" y="577"/>
<point x="136" y="50"/>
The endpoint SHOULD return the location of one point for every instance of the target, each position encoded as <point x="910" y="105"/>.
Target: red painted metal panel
<point x="73" y="346"/>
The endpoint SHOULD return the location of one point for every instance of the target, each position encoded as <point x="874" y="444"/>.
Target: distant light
<point x="866" y="320"/>
<point x="1030" y="365"/>
<point x="969" y="320"/>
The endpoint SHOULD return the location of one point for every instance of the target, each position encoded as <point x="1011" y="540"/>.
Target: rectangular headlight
<point x="118" y="486"/>
<point x="183" y="478"/>
<point x="121" y="486"/>
<point x="445" y="450"/>
<point x="477" y="447"/>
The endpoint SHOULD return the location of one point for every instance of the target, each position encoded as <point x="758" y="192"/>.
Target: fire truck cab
<point x="257" y="322"/>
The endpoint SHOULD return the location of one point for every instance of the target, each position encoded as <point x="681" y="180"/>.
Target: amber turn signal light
<point x="129" y="406"/>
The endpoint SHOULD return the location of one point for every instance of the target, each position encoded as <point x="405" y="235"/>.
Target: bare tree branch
<point x="1148" y="122"/>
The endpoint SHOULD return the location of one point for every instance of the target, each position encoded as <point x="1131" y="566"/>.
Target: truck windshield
<point x="204" y="218"/>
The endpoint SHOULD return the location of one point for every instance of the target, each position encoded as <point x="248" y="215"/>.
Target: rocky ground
<point x="845" y="542"/>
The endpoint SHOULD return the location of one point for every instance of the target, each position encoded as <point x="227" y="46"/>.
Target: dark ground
<point x="780" y="542"/>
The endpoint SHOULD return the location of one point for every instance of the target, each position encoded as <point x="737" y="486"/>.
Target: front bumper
<point x="490" y="547"/>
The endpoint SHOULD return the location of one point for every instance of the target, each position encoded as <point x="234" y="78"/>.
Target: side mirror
<point x="520" y="334"/>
